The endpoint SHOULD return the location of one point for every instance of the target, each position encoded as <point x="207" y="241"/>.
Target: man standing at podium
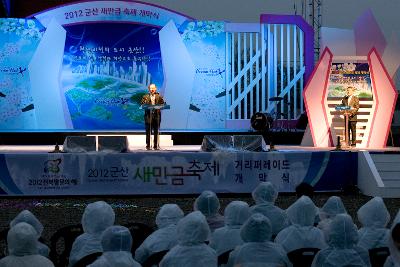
<point x="152" y="117"/>
<point x="354" y="103"/>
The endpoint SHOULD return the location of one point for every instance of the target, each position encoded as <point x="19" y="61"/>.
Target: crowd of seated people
<point x="259" y="235"/>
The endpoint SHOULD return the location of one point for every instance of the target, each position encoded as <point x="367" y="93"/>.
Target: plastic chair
<point x="377" y="256"/>
<point x="61" y="244"/>
<point x="302" y="257"/>
<point x="154" y="259"/>
<point x="3" y="242"/>
<point x="88" y="259"/>
<point x="139" y="232"/>
<point x="224" y="257"/>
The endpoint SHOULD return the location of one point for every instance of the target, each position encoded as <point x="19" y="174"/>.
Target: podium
<point x="151" y="109"/>
<point x="155" y="107"/>
<point x="345" y="111"/>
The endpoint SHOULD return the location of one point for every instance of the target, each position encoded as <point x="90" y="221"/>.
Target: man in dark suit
<point x="351" y="100"/>
<point x="152" y="118"/>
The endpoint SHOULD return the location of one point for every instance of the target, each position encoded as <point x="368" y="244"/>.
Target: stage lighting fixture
<point x="261" y="121"/>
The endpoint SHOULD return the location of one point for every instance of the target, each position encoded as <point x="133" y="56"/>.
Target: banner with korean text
<point x="172" y="172"/>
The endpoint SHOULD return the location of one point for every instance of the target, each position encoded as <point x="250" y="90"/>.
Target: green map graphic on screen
<point x="105" y="75"/>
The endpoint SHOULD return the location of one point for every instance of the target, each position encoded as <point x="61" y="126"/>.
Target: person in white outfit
<point x="28" y="217"/>
<point x="191" y="251"/>
<point x="394" y="244"/>
<point x="228" y="237"/>
<point x="374" y="218"/>
<point x="342" y="238"/>
<point x="96" y="218"/>
<point x="22" y="240"/>
<point x="332" y="207"/>
<point x="116" y="242"/>
<point x="265" y="195"/>
<point x="208" y="204"/>
<point x="165" y="237"/>
<point x="257" y="249"/>
<point x="302" y="233"/>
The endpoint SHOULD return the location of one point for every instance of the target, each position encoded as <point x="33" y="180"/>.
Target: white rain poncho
<point x="116" y="242"/>
<point x="329" y="210"/>
<point x="191" y="250"/>
<point x="165" y="237"/>
<point x="342" y="238"/>
<point x="23" y="248"/>
<point x="29" y="218"/>
<point x="257" y="250"/>
<point x="394" y="259"/>
<point x="228" y="237"/>
<point x="390" y="262"/>
<point x="302" y="233"/>
<point x="265" y="195"/>
<point x="374" y="218"/>
<point x="97" y="217"/>
<point x="208" y="204"/>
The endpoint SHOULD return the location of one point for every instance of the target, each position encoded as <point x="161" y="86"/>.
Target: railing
<point x="264" y="63"/>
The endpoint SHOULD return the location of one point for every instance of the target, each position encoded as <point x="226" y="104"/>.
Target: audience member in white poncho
<point x="265" y="195"/>
<point x="257" y="250"/>
<point x="165" y="237"/>
<point x="394" y="244"/>
<point x="23" y="248"/>
<point x="302" y="233"/>
<point x="228" y="237"/>
<point x="332" y="207"/>
<point x="208" y="204"/>
<point x="29" y="218"/>
<point x="191" y="250"/>
<point x="116" y="242"/>
<point x="374" y="218"/>
<point x="97" y="217"/>
<point x="342" y="238"/>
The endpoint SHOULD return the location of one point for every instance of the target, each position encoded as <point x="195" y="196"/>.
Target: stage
<point x="31" y="170"/>
<point x="188" y="148"/>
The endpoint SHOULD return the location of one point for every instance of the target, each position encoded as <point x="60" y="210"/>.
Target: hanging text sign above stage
<point x="123" y="11"/>
<point x="172" y="173"/>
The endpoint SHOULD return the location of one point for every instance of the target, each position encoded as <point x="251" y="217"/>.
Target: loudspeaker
<point x="233" y="143"/>
<point x="249" y="142"/>
<point x="79" y="144"/>
<point x="113" y="143"/>
<point x="217" y="142"/>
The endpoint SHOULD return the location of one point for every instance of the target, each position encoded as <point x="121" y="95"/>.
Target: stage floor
<point x="186" y="148"/>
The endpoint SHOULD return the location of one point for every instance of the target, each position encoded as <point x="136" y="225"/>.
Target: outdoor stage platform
<point x="31" y="170"/>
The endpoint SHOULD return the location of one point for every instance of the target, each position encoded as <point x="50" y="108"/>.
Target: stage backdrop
<point x="377" y="93"/>
<point x="85" y="66"/>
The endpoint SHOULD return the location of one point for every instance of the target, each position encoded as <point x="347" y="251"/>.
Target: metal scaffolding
<point x="311" y="11"/>
<point x="315" y="20"/>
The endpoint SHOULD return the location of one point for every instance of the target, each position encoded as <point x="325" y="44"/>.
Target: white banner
<point x="169" y="172"/>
